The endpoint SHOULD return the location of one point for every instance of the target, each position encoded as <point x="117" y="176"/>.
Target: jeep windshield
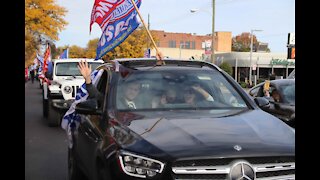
<point x="71" y="68"/>
<point x="177" y="88"/>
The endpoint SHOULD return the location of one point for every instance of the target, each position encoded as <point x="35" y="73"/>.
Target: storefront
<point x="264" y="65"/>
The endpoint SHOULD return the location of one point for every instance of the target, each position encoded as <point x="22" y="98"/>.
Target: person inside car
<point x="169" y="97"/>
<point x="197" y="96"/>
<point x="275" y="95"/>
<point x="130" y="91"/>
<point x="85" y="70"/>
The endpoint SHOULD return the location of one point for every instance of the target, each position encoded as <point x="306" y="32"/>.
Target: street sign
<point x="254" y="67"/>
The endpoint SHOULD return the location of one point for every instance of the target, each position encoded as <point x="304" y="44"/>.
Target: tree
<point x="77" y="52"/>
<point x="133" y="46"/>
<point x="42" y="17"/>
<point x="91" y="48"/>
<point x="241" y="43"/>
<point x="226" y="67"/>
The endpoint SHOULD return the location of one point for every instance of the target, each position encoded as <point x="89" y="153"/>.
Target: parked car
<point x="285" y="108"/>
<point x="228" y="137"/>
<point x="60" y="91"/>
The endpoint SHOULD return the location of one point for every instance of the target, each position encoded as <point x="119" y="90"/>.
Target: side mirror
<point x="262" y="102"/>
<point x="89" y="106"/>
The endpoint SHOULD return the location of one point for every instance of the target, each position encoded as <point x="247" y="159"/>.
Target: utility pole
<point x="148" y="40"/>
<point x="148" y="21"/>
<point x="213" y="39"/>
<point x="251" y="46"/>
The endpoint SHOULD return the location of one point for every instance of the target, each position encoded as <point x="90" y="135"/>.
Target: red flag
<point x="46" y="59"/>
<point x="102" y="12"/>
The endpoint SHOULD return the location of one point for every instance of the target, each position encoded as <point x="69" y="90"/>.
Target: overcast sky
<point x="275" y="17"/>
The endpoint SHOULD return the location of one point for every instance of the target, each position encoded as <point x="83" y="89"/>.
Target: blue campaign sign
<point x="123" y="24"/>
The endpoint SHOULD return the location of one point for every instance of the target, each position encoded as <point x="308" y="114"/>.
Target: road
<point x="45" y="147"/>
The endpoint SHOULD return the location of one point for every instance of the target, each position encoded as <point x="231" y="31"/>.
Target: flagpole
<point x="135" y="6"/>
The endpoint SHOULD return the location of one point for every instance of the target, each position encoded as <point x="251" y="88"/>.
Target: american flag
<point x="147" y="53"/>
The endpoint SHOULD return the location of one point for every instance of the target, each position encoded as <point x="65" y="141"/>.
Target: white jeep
<point x="61" y="91"/>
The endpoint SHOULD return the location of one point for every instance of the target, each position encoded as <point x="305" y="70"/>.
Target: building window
<point x="182" y="45"/>
<point x="172" y="44"/>
<point x="193" y="45"/>
<point x="187" y="44"/>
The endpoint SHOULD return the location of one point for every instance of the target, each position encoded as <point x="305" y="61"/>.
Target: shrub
<point x="226" y="67"/>
<point x="243" y="84"/>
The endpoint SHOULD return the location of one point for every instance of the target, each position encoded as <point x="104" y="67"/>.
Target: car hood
<point x="199" y="133"/>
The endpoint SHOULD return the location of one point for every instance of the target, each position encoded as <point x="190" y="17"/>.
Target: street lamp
<point x="213" y="40"/>
<point x="251" y="44"/>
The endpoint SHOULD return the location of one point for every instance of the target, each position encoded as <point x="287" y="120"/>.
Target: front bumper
<point x="61" y="105"/>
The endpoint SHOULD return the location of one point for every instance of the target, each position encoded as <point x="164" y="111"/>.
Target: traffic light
<point x="291" y="53"/>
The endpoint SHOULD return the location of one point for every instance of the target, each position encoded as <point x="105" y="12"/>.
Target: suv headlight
<point x="67" y="89"/>
<point x="139" y="166"/>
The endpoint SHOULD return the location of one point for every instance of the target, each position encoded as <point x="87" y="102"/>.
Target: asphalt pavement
<point x="45" y="147"/>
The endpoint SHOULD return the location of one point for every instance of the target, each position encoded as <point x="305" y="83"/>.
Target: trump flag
<point x="102" y="12"/>
<point x="122" y="23"/>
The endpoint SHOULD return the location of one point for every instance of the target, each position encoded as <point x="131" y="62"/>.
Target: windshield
<point x="288" y="92"/>
<point x="176" y="89"/>
<point x="71" y="68"/>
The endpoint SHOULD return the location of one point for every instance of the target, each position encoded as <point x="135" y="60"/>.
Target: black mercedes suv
<point x="223" y="134"/>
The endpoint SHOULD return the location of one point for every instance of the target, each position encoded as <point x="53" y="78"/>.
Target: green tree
<point x="42" y="17"/>
<point x="226" y="67"/>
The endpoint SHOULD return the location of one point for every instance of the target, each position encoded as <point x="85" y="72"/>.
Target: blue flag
<point x="64" y="54"/>
<point x="122" y="24"/>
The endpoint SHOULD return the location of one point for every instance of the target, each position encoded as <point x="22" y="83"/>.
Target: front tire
<point x="102" y="171"/>
<point x="54" y="117"/>
<point x="45" y="106"/>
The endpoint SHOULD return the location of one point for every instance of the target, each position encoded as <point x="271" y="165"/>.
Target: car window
<point x="254" y="91"/>
<point x="228" y="96"/>
<point x="71" y="68"/>
<point x="288" y="92"/>
<point x="219" y="94"/>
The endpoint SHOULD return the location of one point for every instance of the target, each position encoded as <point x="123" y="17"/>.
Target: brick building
<point x="192" y="41"/>
<point x="172" y="44"/>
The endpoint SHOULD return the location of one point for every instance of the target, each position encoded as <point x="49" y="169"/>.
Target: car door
<point x="90" y="133"/>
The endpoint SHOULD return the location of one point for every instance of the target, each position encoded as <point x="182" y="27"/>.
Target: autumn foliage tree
<point x="42" y="17"/>
<point x="241" y="43"/>
<point x="132" y="47"/>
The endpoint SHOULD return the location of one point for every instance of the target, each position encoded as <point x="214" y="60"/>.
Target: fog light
<point x="65" y="105"/>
